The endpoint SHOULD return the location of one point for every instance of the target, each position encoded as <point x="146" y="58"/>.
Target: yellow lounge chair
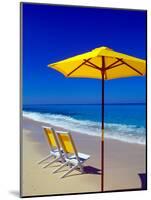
<point x="73" y="158"/>
<point x="55" y="150"/>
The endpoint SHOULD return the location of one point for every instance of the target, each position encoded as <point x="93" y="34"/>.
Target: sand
<point x="123" y="164"/>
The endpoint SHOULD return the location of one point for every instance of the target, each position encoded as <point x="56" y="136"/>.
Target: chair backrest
<point x="51" y="137"/>
<point x="67" y="143"/>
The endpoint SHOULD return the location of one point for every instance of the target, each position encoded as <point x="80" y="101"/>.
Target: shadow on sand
<point x="91" y="170"/>
<point x="87" y="170"/>
<point x="143" y="179"/>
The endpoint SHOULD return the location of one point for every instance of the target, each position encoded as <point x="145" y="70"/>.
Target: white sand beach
<point x="123" y="164"/>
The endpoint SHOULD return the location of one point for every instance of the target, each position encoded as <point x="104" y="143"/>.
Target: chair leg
<point x="51" y="162"/>
<point x="62" y="159"/>
<point x="44" y="159"/>
<point x="68" y="172"/>
<point x="81" y="169"/>
<point x="70" y="165"/>
<point x="66" y="163"/>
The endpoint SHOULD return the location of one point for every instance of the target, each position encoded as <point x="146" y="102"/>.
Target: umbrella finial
<point x="106" y="48"/>
<point x="102" y="48"/>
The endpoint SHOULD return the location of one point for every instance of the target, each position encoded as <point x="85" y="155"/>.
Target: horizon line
<point x="136" y="103"/>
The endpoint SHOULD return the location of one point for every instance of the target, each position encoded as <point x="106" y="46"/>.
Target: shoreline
<point x="123" y="163"/>
<point x="65" y="129"/>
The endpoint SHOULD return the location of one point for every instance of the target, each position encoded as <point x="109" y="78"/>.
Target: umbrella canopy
<point x="114" y="64"/>
<point x="101" y="63"/>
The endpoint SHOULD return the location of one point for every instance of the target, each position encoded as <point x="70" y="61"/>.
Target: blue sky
<point x="52" y="33"/>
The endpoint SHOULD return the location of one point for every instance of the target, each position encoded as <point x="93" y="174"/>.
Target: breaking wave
<point x="123" y="132"/>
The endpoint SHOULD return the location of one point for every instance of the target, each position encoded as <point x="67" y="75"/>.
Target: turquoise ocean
<point x="125" y="122"/>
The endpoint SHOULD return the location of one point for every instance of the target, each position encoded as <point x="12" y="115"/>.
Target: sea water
<point x="125" y="122"/>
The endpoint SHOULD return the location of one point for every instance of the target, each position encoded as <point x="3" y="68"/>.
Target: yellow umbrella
<point x="101" y="63"/>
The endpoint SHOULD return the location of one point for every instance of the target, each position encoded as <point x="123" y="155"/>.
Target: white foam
<point x="123" y="132"/>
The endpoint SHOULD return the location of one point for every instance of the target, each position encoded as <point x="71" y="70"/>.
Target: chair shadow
<point x="52" y="166"/>
<point x="88" y="170"/>
<point x="91" y="170"/>
<point x="56" y="164"/>
<point x="143" y="179"/>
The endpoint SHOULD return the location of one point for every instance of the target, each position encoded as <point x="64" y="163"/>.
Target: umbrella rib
<point x="132" y="68"/>
<point x="93" y="65"/>
<point x="89" y="65"/>
<point x="78" y="67"/>
<point x="97" y="69"/>
<point x="113" y="64"/>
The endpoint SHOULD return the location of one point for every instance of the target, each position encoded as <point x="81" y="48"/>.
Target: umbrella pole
<point x="102" y="137"/>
